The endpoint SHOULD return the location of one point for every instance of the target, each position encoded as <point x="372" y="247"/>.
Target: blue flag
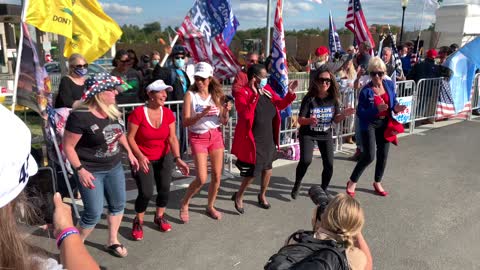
<point x="230" y="28"/>
<point x="279" y="76"/>
<point x="333" y="37"/>
<point x="463" y="64"/>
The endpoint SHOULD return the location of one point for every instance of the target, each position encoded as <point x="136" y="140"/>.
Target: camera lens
<point x="319" y="197"/>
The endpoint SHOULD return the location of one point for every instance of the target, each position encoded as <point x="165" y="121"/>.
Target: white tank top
<point x="209" y="121"/>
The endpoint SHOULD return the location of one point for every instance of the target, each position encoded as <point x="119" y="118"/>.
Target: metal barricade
<point x="424" y="106"/>
<point x="405" y="95"/>
<point x="476" y="93"/>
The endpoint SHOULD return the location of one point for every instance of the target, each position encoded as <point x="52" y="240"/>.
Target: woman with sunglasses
<point x="123" y="69"/>
<point x="257" y="131"/>
<point x="320" y="109"/>
<point x="72" y="86"/>
<point x="376" y="103"/>
<point x="205" y="108"/>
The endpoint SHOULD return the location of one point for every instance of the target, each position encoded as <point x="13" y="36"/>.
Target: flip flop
<point x="184" y="216"/>
<point x="214" y="214"/>
<point x="113" y="249"/>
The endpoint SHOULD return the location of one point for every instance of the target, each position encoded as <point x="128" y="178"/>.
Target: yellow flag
<point x="53" y="16"/>
<point x="94" y="32"/>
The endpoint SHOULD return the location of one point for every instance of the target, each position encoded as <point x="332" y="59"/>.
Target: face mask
<point x="155" y="62"/>
<point x="263" y="82"/>
<point x="81" y="71"/>
<point x="179" y="63"/>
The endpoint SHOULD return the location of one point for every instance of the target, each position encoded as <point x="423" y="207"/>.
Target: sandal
<point x="184" y="215"/>
<point x="213" y="214"/>
<point x="113" y="249"/>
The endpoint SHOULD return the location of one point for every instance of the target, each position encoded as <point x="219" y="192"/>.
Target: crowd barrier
<point x="421" y="100"/>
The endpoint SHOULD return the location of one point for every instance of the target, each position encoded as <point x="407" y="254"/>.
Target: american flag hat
<point x="101" y="82"/>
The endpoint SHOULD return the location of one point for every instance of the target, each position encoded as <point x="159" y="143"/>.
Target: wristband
<point x="66" y="233"/>
<point x="79" y="168"/>
<point x="175" y="159"/>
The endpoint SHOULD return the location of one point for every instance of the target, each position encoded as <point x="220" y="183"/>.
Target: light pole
<point x="404" y="6"/>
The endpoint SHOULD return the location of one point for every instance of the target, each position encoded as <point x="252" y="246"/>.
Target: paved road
<point x="430" y="220"/>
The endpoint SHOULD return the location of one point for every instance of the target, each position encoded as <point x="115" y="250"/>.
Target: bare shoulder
<point x="356" y="258"/>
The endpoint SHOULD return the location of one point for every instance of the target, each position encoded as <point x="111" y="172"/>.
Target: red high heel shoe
<point x="380" y="193"/>
<point x="350" y="193"/>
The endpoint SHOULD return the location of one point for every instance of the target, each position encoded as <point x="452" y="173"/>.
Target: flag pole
<point x="417" y="49"/>
<point x="167" y="54"/>
<point x="269" y="24"/>
<point x="19" y="56"/>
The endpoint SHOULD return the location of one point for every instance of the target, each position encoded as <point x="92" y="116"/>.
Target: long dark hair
<point x="314" y="87"/>
<point x="214" y="89"/>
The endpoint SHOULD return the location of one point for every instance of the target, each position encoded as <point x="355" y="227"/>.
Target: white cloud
<point x="117" y="9"/>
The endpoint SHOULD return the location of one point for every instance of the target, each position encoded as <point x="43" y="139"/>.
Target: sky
<point x="298" y="14"/>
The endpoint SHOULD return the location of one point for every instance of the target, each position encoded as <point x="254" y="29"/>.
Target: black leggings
<point x="306" y="154"/>
<point x="160" y="172"/>
<point x="373" y="136"/>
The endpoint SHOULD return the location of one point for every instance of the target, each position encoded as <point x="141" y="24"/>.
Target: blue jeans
<point x="109" y="184"/>
<point x="358" y="134"/>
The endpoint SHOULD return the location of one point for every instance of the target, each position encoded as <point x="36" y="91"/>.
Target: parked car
<point x="54" y="67"/>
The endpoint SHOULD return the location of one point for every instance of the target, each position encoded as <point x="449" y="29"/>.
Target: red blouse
<point x="379" y="99"/>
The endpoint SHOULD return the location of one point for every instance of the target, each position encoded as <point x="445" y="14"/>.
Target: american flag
<point x="445" y="104"/>
<point x="202" y="35"/>
<point x="357" y="24"/>
<point x="279" y="78"/>
<point x="333" y="37"/>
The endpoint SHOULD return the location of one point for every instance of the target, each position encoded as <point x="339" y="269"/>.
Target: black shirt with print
<point x="99" y="148"/>
<point x="324" y="110"/>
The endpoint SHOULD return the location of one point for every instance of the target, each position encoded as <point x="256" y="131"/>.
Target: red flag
<point x="357" y="24"/>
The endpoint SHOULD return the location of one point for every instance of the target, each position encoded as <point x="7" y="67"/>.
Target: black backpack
<point x="309" y="253"/>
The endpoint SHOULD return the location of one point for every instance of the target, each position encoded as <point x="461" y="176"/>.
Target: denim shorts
<point x="109" y="185"/>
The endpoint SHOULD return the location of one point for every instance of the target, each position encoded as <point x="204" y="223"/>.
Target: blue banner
<point x="211" y="16"/>
<point x="333" y="37"/>
<point x="463" y="64"/>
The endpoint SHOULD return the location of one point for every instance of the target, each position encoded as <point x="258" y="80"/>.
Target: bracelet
<point x="79" y="168"/>
<point x="175" y="159"/>
<point x="66" y="233"/>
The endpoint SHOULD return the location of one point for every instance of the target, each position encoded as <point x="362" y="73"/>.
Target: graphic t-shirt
<point x="324" y="110"/>
<point x="153" y="142"/>
<point x="98" y="149"/>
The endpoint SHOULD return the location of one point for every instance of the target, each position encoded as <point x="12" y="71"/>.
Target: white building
<point x="457" y="24"/>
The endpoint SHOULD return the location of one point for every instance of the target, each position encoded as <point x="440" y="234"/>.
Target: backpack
<point x="309" y="253"/>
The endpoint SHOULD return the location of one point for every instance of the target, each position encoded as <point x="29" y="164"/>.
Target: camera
<point x="320" y="198"/>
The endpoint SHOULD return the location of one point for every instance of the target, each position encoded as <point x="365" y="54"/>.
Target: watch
<point x="175" y="159"/>
<point x="79" y="168"/>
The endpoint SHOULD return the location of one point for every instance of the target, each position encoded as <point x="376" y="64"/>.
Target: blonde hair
<point x="110" y="110"/>
<point x="351" y="74"/>
<point x="376" y="63"/>
<point x="344" y="217"/>
<point x="71" y="61"/>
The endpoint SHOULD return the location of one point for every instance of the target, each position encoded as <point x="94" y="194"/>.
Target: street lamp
<point x="404" y="6"/>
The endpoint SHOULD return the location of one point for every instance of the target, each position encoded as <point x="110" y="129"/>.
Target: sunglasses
<point x="376" y="73"/>
<point x="125" y="61"/>
<point x="253" y="61"/>
<point x="81" y="66"/>
<point x="179" y="57"/>
<point x="325" y="80"/>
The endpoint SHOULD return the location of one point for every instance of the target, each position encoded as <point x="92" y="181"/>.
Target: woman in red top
<point x="151" y="135"/>
<point x="257" y="131"/>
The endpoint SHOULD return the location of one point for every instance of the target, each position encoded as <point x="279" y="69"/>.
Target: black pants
<point x="306" y="155"/>
<point x="160" y="172"/>
<point x="373" y="136"/>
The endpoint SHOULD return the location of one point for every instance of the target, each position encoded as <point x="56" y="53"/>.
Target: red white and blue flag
<point x="333" y="37"/>
<point x="357" y="23"/>
<point x="279" y="75"/>
<point x="202" y="33"/>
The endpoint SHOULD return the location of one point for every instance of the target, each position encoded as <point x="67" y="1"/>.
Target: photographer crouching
<point x="336" y="241"/>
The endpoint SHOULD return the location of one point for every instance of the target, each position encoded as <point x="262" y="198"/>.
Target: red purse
<point x="393" y="128"/>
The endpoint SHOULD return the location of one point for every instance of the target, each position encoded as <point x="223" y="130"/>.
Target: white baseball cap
<point x="204" y="70"/>
<point x="16" y="163"/>
<point x="159" y="85"/>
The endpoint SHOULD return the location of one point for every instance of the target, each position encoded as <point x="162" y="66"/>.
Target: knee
<point x="146" y="195"/>
<point x="305" y="161"/>
<point x="368" y="157"/>
<point x="215" y="177"/>
<point x="116" y="208"/>
<point x="90" y="217"/>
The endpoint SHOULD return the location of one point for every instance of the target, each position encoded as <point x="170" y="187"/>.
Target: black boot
<point x="295" y="189"/>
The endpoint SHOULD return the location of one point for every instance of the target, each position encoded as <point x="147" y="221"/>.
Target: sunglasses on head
<point x="325" y="80"/>
<point x="179" y="57"/>
<point x="81" y="66"/>
<point x="376" y="73"/>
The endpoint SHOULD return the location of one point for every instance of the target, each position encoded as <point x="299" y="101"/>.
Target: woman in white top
<point x="203" y="111"/>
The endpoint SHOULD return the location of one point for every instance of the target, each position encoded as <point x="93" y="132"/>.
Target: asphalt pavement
<point x="430" y="220"/>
